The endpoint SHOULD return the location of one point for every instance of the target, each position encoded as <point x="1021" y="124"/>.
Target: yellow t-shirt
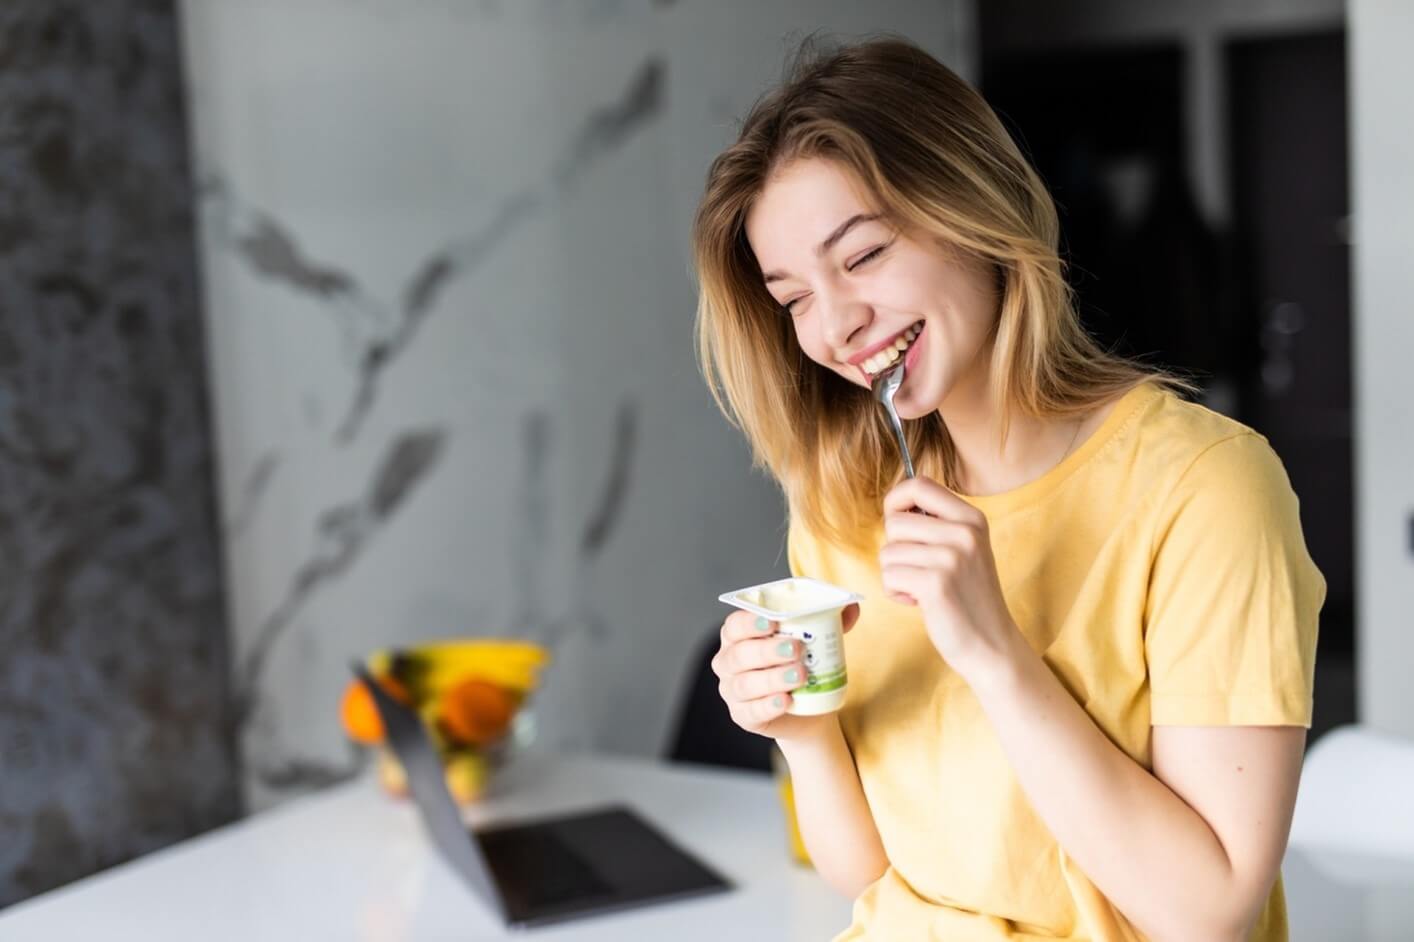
<point x="1161" y="572"/>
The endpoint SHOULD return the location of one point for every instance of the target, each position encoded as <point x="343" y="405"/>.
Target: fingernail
<point x="783" y="649"/>
<point x="793" y="676"/>
<point x="762" y="625"/>
<point x="778" y="702"/>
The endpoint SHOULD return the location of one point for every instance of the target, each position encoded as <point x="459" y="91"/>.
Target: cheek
<point x="808" y="336"/>
<point x="970" y="315"/>
<point x="980" y="319"/>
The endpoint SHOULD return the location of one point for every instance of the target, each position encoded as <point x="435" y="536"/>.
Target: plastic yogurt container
<point x="811" y="611"/>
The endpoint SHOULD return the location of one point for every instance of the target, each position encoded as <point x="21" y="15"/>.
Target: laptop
<point x="547" y="870"/>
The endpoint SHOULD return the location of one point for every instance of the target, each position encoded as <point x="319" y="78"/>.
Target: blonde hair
<point x="936" y="160"/>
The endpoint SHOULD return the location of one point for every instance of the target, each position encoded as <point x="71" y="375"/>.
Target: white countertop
<point x="351" y="864"/>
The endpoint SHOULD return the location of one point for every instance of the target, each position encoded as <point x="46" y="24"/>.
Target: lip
<point x="908" y="361"/>
<point x="859" y="358"/>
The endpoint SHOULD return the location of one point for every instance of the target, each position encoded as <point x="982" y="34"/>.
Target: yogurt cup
<point x="811" y="611"/>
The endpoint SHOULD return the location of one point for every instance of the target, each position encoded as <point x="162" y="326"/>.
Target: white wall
<point x="1381" y="33"/>
<point x="536" y="164"/>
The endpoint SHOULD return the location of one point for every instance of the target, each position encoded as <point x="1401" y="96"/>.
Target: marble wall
<point x="446" y="266"/>
<point x="115" y="736"/>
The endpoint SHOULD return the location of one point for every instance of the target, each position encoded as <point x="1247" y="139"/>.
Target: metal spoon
<point x="884" y="386"/>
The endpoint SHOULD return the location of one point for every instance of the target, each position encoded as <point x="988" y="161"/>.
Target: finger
<point x="753" y="715"/>
<point x="736" y="627"/>
<point x="757" y="653"/>
<point x="911" y="581"/>
<point x="931" y="497"/>
<point x="767" y="682"/>
<point x="849" y="616"/>
<point x="908" y="527"/>
<point x="741" y="625"/>
<point x="928" y="556"/>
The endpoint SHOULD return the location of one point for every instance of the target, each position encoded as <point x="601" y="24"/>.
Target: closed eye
<point x="868" y="257"/>
<point x="788" y="307"/>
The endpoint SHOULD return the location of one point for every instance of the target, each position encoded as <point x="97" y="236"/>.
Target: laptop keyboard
<point x="537" y="869"/>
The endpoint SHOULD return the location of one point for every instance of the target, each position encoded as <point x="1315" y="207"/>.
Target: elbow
<point x="1228" y="915"/>
<point x="1252" y="890"/>
<point x="1214" y="924"/>
<point x="1209" y="931"/>
<point x="1234" y="933"/>
<point x="852" y="879"/>
<point x="1240" y="928"/>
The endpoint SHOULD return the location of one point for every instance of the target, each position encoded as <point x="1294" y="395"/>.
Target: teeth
<point x="890" y="355"/>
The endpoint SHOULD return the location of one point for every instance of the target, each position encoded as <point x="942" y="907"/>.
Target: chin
<point x="907" y="411"/>
<point x="914" y="403"/>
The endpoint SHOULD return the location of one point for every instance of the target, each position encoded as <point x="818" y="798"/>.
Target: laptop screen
<point x="551" y="869"/>
<point x="409" y="742"/>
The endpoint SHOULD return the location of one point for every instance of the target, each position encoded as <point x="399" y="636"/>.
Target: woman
<point x="1080" y="685"/>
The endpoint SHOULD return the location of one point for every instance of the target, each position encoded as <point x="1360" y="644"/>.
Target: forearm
<point x="833" y="815"/>
<point x="1154" y="857"/>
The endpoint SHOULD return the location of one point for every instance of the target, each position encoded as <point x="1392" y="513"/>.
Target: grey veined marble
<point x="450" y="312"/>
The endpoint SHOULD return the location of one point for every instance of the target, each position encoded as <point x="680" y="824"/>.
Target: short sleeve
<point x="1234" y="598"/>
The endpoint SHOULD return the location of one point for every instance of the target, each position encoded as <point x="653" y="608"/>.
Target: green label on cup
<point x="823" y="683"/>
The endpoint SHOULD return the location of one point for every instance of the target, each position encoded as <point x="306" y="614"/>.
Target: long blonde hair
<point x="936" y="160"/>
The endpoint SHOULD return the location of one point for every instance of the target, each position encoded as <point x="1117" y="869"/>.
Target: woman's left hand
<point x="943" y="563"/>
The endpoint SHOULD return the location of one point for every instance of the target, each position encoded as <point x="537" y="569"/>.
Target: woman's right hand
<point x="754" y="666"/>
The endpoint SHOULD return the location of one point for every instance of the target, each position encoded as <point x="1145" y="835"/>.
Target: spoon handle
<point x="898" y="434"/>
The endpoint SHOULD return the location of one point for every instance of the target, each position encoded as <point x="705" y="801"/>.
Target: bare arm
<point x="1188" y="852"/>
<point x="834" y="818"/>
<point x="758" y="669"/>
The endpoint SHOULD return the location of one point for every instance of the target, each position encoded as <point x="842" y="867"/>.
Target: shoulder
<point x="1215" y="486"/>
<point x="1174" y="433"/>
<point x="1170" y="462"/>
<point x="1184" y="448"/>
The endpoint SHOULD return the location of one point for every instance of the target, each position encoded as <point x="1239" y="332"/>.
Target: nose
<point x="841" y="316"/>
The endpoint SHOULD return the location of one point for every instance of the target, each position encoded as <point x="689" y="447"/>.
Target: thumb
<point x="850" y="615"/>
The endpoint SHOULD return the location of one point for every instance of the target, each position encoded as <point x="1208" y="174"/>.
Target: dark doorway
<point x="1105" y="129"/>
<point x="1257" y="312"/>
<point x="1289" y="183"/>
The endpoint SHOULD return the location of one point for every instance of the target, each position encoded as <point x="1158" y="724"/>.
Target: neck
<point x="1033" y="447"/>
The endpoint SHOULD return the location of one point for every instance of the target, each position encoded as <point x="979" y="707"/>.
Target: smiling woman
<point x="862" y="291"/>
<point x="878" y="208"/>
<point x="1081" y="681"/>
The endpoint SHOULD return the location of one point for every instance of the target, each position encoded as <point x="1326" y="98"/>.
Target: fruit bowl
<point x="470" y="694"/>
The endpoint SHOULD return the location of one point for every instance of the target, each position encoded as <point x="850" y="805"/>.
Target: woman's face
<point x="854" y="286"/>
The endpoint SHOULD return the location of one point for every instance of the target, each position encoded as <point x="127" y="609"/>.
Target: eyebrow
<point x="830" y="240"/>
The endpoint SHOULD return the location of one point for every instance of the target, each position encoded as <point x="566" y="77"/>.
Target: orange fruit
<point x="358" y="713"/>
<point x="475" y="712"/>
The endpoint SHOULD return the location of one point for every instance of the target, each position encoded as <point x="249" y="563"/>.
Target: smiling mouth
<point x="890" y="355"/>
